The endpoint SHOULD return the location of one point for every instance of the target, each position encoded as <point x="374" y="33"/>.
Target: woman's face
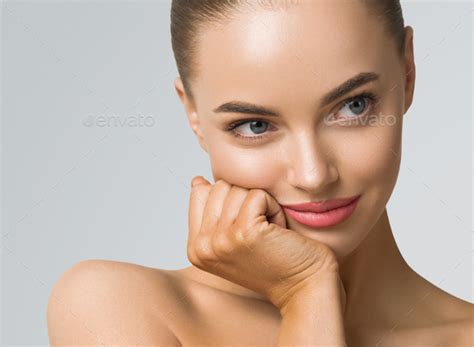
<point x="288" y="61"/>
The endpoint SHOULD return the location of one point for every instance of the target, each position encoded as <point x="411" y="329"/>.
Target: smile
<point x="325" y="214"/>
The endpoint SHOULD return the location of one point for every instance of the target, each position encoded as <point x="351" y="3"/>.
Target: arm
<point x="314" y="316"/>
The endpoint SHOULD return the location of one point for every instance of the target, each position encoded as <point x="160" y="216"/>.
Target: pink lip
<point x="322" y="214"/>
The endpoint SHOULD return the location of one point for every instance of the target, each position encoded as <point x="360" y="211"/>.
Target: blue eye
<point x="359" y="105"/>
<point x="256" y="126"/>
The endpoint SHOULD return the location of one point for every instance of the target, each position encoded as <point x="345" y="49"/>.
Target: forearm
<point x="314" y="317"/>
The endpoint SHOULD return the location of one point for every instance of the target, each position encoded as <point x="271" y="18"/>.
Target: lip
<point x="324" y="213"/>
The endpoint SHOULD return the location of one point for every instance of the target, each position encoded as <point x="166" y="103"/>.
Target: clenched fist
<point x="241" y="235"/>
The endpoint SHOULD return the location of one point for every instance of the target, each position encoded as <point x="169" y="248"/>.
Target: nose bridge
<point x="311" y="167"/>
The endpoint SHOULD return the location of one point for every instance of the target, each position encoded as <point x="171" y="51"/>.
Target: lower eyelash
<point x="373" y="103"/>
<point x="231" y="129"/>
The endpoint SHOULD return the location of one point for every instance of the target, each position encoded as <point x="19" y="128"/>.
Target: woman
<point x="294" y="102"/>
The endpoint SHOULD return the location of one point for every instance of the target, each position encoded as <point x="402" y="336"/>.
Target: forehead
<point x="307" y="48"/>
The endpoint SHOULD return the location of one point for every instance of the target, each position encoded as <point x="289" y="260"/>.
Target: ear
<point x="410" y="69"/>
<point x="191" y="113"/>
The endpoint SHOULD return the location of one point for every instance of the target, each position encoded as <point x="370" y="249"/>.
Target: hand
<point x="241" y="235"/>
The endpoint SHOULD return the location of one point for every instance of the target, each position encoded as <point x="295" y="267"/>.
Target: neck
<point x="373" y="276"/>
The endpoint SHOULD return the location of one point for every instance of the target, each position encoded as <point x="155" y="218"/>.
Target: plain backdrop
<point x="76" y="186"/>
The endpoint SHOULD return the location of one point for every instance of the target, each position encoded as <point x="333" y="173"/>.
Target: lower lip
<point x="323" y="219"/>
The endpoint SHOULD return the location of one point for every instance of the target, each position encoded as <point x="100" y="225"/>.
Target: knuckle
<point x="203" y="250"/>
<point x="244" y="236"/>
<point x="238" y="188"/>
<point x="257" y="193"/>
<point x="239" y="191"/>
<point x="222" y="245"/>
<point x="220" y="183"/>
<point x="191" y="254"/>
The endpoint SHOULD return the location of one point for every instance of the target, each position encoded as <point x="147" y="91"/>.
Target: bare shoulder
<point x="452" y="320"/>
<point x="464" y="331"/>
<point x="455" y="332"/>
<point x="433" y="317"/>
<point x="462" y="328"/>
<point x="111" y="302"/>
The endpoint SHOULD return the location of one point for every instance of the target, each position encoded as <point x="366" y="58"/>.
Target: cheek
<point x="370" y="160"/>
<point x="245" y="167"/>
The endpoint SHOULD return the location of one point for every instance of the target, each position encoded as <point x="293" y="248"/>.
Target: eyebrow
<point x="346" y="87"/>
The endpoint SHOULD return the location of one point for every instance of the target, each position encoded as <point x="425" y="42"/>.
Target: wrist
<point x="326" y="289"/>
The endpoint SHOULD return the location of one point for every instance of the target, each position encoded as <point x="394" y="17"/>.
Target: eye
<point x="358" y="105"/>
<point x="253" y="130"/>
<point x="355" y="107"/>
<point x="253" y="126"/>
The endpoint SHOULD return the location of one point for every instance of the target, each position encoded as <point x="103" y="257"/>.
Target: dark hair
<point x="188" y="17"/>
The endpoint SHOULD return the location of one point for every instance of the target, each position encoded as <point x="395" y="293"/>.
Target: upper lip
<point x="322" y="206"/>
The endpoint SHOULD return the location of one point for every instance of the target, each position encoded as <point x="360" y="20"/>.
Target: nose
<point x="311" y="165"/>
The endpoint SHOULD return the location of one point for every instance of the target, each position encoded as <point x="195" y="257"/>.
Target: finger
<point x="214" y="204"/>
<point x="223" y="237"/>
<point x="233" y="203"/>
<point x="199" y="180"/>
<point x="257" y="203"/>
<point x="198" y="197"/>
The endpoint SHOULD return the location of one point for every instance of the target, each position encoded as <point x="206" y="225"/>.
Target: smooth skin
<point x="347" y="284"/>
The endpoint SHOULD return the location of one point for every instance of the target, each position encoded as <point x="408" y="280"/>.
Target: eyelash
<point x="373" y="100"/>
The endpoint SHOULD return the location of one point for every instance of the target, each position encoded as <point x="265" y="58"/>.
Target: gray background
<point x="74" y="188"/>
